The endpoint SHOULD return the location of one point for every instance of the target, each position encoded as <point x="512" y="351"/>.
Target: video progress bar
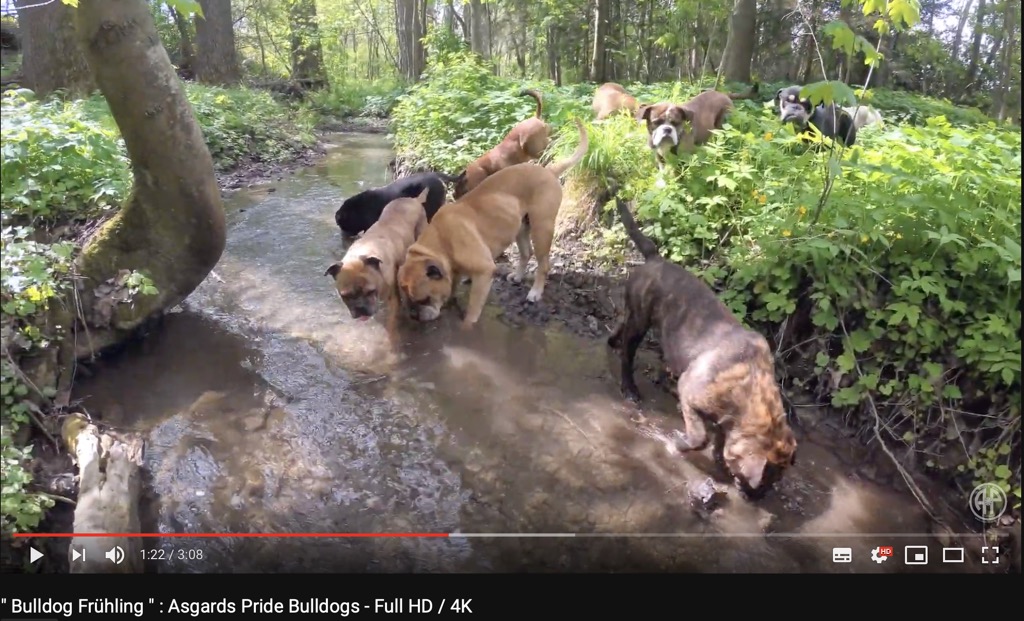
<point x="489" y="535"/>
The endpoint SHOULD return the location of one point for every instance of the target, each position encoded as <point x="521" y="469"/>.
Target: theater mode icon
<point x="952" y="555"/>
<point x="842" y="555"/>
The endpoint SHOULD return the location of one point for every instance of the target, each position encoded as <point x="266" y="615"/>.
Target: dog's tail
<point x="537" y="97"/>
<point x="561" y="166"/>
<point x="751" y="94"/>
<point x="643" y="243"/>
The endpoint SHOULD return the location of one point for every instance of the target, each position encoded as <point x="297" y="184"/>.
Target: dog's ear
<point x="333" y="270"/>
<point x="687" y="114"/>
<point x="778" y="95"/>
<point x="423" y="196"/>
<point x="752" y="469"/>
<point x="643" y="113"/>
<point x="434" y="271"/>
<point x="373" y="262"/>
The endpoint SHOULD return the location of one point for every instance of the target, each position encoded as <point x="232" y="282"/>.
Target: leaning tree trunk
<point x="171" y="228"/>
<point x="216" y="58"/>
<point x="51" y="57"/>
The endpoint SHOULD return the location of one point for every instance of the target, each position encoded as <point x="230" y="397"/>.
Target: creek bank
<point x="53" y="469"/>
<point x="586" y="296"/>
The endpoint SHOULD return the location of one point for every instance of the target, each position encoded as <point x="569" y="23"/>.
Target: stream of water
<point x="268" y="409"/>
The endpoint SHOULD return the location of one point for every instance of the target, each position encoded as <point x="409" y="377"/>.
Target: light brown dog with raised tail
<point x="527" y="141"/>
<point x="519" y="203"/>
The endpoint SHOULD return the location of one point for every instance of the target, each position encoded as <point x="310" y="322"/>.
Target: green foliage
<point x="64" y="162"/>
<point x="32" y="276"/>
<point x="903" y="298"/>
<point x="58" y="159"/>
<point x="356" y="98"/>
<point x="243" y="125"/>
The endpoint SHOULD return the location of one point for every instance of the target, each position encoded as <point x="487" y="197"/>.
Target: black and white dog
<point x="359" y="212"/>
<point x="831" y="120"/>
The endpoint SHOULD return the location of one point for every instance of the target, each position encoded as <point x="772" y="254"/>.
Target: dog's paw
<point x="533" y="296"/>
<point x="631" y="394"/>
<point x="683" y="442"/>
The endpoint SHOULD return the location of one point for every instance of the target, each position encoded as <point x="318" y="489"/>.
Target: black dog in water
<point x="831" y="120"/>
<point x="358" y="213"/>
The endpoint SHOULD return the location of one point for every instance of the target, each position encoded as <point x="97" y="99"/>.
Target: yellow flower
<point x="768" y="136"/>
<point x="754" y="193"/>
<point x="787" y="233"/>
<point x="802" y="210"/>
<point x="899" y="236"/>
<point x="762" y="199"/>
<point x="863" y="239"/>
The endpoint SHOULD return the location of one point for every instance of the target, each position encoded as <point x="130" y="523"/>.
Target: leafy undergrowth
<point x="898" y="299"/>
<point x="373" y="100"/>
<point x="64" y="165"/>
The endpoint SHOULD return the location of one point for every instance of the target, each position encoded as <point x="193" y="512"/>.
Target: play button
<point x="34" y="555"/>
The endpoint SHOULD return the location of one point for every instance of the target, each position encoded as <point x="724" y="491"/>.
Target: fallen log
<point x="109" y="487"/>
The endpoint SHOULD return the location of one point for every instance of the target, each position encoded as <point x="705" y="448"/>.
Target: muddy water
<point x="267" y="409"/>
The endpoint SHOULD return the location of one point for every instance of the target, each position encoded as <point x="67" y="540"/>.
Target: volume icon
<point x="115" y="554"/>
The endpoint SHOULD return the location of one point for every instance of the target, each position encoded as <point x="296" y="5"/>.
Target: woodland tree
<point x="51" y="57"/>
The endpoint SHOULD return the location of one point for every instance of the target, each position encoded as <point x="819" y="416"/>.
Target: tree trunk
<point x="405" y="34"/>
<point x="961" y="23"/>
<point x="1001" y="96"/>
<point x="599" y="58"/>
<point x="188" y="54"/>
<point x="109" y="488"/>
<point x="216" y="59"/>
<point x="554" y="58"/>
<point x="51" y="57"/>
<point x="307" y="51"/>
<point x="739" y="52"/>
<point x="975" y="56"/>
<point x="419" y="52"/>
<point x="171" y="228"/>
<point x="479" y="37"/>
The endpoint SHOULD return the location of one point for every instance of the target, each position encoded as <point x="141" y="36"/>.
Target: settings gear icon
<point x="877" y="556"/>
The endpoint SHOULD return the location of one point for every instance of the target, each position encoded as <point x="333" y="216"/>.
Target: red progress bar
<point x="232" y="535"/>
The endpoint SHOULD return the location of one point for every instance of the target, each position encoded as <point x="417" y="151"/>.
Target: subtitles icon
<point x="115" y="554"/>
<point x="881" y="554"/>
<point x="952" y="555"/>
<point x="842" y="555"/>
<point x="915" y="555"/>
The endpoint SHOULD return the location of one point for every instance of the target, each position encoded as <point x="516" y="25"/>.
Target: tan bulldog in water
<point x="519" y="203"/>
<point x="366" y="277"/>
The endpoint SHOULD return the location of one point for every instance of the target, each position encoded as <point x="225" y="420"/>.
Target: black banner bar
<point x="484" y="596"/>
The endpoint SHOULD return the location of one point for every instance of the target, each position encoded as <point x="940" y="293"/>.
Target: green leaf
<point x="1002" y="472"/>
<point x="186" y="7"/>
<point x="828" y="92"/>
<point x="904" y="13"/>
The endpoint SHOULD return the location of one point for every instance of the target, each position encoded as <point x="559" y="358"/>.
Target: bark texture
<point x="216" y="60"/>
<point x="51" y="56"/>
<point x="171" y="228"/>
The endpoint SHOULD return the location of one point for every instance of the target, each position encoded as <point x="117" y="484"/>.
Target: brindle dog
<point x="726" y="372"/>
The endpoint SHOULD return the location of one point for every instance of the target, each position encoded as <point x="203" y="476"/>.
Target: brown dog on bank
<point x="367" y="273"/>
<point x="726" y="372"/>
<point x="527" y="141"/>
<point x="610" y="98"/>
<point x="671" y="127"/>
<point x="519" y="203"/>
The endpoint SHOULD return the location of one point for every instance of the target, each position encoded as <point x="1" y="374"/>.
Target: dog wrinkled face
<point x="793" y="109"/>
<point x="426" y="286"/>
<point x="666" y="123"/>
<point x="359" y="288"/>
